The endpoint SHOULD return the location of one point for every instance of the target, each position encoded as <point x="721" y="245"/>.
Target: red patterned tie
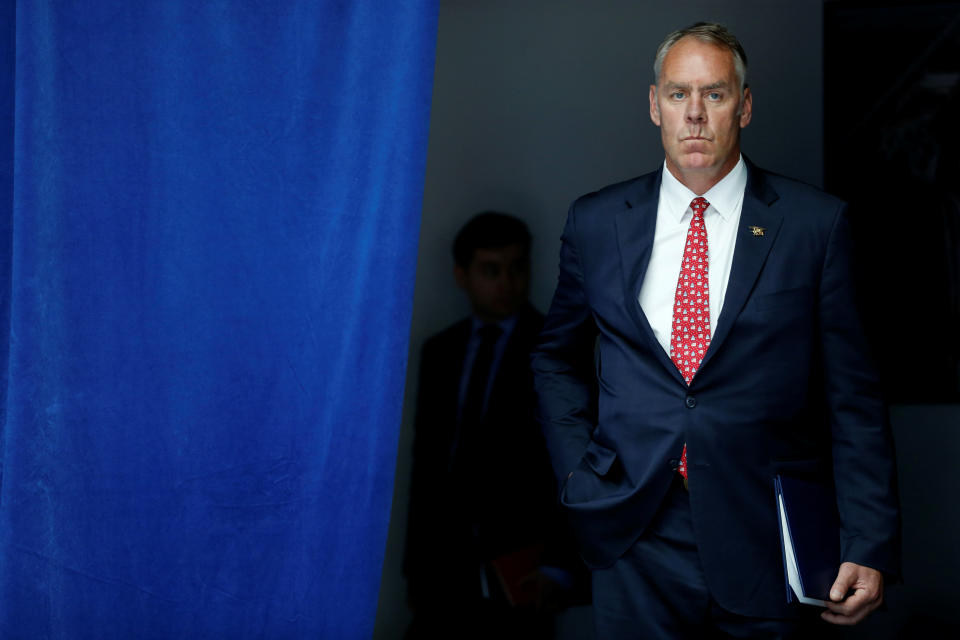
<point x="690" y="335"/>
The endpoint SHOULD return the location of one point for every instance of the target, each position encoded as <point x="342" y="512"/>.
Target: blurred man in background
<point x="487" y="554"/>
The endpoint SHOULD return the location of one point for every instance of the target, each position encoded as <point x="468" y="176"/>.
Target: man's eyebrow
<point x="722" y="84"/>
<point x="715" y="85"/>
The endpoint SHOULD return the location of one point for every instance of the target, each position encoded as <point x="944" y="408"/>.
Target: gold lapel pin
<point x="757" y="231"/>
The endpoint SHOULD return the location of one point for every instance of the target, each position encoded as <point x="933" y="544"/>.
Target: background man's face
<point x="699" y="110"/>
<point x="497" y="281"/>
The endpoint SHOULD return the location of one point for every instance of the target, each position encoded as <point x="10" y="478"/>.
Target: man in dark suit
<point x="701" y="340"/>
<point x="482" y="490"/>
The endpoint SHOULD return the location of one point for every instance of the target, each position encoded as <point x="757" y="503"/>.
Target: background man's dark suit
<point x="495" y="496"/>
<point x="495" y="483"/>
<point x="785" y="386"/>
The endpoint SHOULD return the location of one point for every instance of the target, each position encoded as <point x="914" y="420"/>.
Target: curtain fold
<point x="211" y="212"/>
<point x="7" y="57"/>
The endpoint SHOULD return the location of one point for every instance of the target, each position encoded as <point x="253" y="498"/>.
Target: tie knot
<point x="699" y="205"/>
<point x="489" y="332"/>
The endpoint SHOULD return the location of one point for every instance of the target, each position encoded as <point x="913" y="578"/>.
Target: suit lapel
<point x="750" y="252"/>
<point x="636" y="224"/>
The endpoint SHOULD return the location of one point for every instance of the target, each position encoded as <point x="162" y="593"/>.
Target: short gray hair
<point x="710" y="33"/>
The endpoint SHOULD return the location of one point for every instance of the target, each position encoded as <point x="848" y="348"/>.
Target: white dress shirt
<point x="721" y="219"/>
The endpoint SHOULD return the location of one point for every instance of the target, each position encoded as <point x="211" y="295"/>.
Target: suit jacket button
<point x="691" y="402"/>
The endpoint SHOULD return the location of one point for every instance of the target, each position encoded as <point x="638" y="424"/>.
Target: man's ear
<point x="460" y="275"/>
<point x="746" y="108"/>
<point x="654" y="107"/>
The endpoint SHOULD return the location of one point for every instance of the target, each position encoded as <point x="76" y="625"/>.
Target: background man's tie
<point x="690" y="335"/>
<point x="471" y="413"/>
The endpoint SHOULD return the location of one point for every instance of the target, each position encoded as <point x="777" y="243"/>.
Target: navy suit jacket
<point x="786" y="386"/>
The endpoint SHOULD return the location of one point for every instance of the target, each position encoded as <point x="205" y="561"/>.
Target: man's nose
<point x="509" y="280"/>
<point x="695" y="110"/>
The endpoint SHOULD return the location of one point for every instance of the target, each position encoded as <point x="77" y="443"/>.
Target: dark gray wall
<point x="538" y="101"/>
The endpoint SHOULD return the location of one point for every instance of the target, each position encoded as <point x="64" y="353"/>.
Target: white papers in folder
<point x="790" y="558"/>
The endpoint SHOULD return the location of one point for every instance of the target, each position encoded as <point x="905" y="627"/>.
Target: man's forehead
<point x="692" y="56"/>
<point x="495" y="254"/>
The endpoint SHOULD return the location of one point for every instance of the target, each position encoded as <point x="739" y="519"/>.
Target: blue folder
<point x="809" y="537"/>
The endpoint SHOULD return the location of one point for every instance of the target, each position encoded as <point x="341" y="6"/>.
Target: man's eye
<point x="713" y="95"/>
<point x="678" y="95"/>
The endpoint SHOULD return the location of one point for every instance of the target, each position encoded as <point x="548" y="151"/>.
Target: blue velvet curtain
<point x="208" y="221"/>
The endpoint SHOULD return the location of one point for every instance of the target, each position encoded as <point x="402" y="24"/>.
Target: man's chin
<point x="697" y="162"/>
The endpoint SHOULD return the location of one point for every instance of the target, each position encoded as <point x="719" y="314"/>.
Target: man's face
<point x="497" y="281"/>
<point x="699" y="109"/>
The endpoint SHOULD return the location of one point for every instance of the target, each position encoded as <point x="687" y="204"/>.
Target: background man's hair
<point x="711" y="33"/>
<point x="489" y="230"/>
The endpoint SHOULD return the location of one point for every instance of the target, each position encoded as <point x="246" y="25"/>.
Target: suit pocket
<point x="595" y="478"/>
<point x="812" y="468"/>
<point x="599" y="458"/>
<point x="788" y="298"/>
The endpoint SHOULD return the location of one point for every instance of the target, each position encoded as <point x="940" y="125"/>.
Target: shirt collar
<point x="506" y="324"/>
<point x="723" y="197"/>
